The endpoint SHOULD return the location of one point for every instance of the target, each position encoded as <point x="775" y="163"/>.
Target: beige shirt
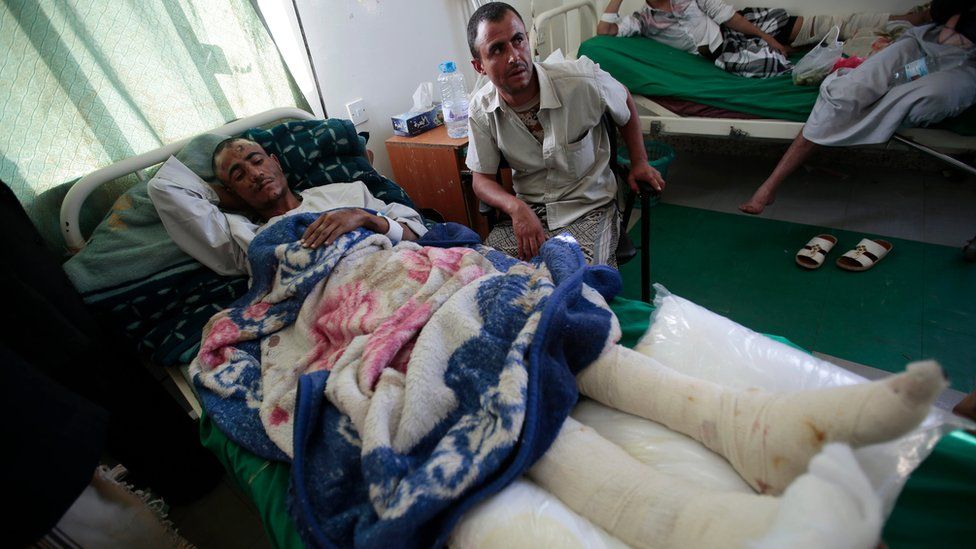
<point x="569" y="171"/>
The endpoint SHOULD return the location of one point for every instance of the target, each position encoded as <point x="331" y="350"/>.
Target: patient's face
<point x="505" y="56"/>
<point x="247" y="170"/>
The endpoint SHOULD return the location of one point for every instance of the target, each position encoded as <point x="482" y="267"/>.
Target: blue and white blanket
<point x="404" y="383"/>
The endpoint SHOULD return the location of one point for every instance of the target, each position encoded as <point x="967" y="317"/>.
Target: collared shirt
<point x="689" y="24"/>
<point x="219" y="240"/>
<point x="569" y="170"/>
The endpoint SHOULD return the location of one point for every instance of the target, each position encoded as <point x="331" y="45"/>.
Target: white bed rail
<point x="73" y="201"/>
<point x="542" y="27"/>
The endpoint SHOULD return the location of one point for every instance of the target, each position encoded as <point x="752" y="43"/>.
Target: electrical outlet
<point x="357" y="111"/>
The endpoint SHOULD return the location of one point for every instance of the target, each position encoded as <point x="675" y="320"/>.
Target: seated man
<point x="253" y="184"/>
<point x="546" y="119"/>
<point x="864" y="107"/>
<point x="749" y="42"/>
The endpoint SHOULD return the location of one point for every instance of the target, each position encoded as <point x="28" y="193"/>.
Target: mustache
<point x="521" y="65"/>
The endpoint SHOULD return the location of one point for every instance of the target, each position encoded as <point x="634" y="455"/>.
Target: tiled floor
<point x="222" y="519"/>
<point x="914" y="205"/>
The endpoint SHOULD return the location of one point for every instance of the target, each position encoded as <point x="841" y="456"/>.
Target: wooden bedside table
<point x="430" y="167"/>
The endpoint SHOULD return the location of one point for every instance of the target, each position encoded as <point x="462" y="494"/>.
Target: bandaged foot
<point x="768" y="438"/>
<point x="646" y="508"/>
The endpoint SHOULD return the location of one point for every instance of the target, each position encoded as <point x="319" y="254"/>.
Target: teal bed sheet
<point x="935" y="507"/>
<point x="653" y="69"/>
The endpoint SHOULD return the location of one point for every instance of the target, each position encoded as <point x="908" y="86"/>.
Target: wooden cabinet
<point x="430" y="167"/>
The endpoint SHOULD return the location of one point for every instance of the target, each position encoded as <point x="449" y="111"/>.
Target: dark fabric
<point x="783" y="34"/>
<point x="54" y="440"/>
<point x="47" y="324"/>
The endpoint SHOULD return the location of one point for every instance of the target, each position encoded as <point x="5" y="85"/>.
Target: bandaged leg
<point x="646" y="508"/>
<point x="768" y="438"/>
<point x="815" y="27"/>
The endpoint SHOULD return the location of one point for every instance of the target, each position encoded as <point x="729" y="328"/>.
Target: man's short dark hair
<point x="493" y="12"/>
<point x="220" y="148"/>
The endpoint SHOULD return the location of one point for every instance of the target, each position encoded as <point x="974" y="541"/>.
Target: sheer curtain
<point x="85" y="83"/>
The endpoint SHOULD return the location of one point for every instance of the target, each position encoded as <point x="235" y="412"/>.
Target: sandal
<point x="813" y="254"/>
<point x="865" y="255"/>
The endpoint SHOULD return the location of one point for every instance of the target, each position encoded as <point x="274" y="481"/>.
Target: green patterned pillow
<point x="318" y="152"/>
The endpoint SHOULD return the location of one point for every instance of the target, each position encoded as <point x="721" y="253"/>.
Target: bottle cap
<point x="447" y="66"/>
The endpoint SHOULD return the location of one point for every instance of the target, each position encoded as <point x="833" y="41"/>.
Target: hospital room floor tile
<point x="916" y="303"/>
<point x="914" y="205"/>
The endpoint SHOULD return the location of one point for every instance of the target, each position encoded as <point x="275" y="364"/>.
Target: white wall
<point x="380" y="50"/>
<point x="283" y="24"/>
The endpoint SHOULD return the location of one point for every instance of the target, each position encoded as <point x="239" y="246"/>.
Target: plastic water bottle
<point x="454" y="100"/>
<point x="924" y="66"/>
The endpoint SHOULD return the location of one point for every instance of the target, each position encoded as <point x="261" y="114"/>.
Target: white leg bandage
<point x="641" y="506"/>
<point x="831" y="506"/>
<point x="768" y="438"/>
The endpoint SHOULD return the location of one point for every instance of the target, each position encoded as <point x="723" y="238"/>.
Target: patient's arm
<point x="604" y="27"/>
<point x="189" y="210"/>
<point x="331" y="225"/>
<point x="741" y="24"/>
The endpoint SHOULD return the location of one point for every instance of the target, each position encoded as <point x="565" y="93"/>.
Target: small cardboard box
<point x="413" y="123"/>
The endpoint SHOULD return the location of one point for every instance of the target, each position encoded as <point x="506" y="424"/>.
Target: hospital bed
<point x="660" y="78"/>
<point x="542" y="518"/>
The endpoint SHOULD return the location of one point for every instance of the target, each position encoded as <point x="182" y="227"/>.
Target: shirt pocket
<point x="580" y="155"/>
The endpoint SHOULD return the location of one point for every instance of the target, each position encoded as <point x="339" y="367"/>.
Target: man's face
<point x="248" y="171"/>
<point x="505" y="56"/>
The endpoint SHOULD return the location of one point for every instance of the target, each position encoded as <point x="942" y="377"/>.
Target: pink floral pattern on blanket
<point x="369" y="313"/>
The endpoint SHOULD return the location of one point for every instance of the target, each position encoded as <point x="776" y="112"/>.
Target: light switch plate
<point x="357" y="111"/>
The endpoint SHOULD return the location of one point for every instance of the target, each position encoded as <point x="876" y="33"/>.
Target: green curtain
<point x="85" y="83"/>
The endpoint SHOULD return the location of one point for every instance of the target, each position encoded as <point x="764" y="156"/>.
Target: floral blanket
<point x="404" y="384"/>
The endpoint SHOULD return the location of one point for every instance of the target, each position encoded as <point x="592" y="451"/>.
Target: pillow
<point x="128" y="245"/>
<point x="197" y="154"/>
<point x="318" y="152"/>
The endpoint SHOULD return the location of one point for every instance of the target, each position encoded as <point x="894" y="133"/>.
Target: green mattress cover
<point x="935" y="506"/>
<point x="650" y="68"/>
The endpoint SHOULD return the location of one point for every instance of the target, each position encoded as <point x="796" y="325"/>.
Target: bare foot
<point x="756" y="204"/>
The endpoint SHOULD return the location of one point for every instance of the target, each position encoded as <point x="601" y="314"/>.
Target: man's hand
<point x="646" y="173"/>
<point x="776" y="46"/>
<point x="331" y="225"/>
<point x="528" y="231"/>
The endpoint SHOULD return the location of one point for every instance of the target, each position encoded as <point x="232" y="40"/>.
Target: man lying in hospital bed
<point x="253" y="183"/>
<point x="865" y="106"/>
<point x="750" y="42"/>
<point x="391" y="395"/>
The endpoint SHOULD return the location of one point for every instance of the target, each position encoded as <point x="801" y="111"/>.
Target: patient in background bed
<point x="863" y="107"/>
<point x="255" y="188"/>
<point x="750" y="42"/>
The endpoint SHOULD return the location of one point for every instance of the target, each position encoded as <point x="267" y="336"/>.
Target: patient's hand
<point x="776" y="46"/>
<point x="331" y="225"/>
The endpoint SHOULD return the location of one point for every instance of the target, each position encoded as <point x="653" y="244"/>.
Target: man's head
<point x="500" y="48"/>
<point x="244" y="168"/>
